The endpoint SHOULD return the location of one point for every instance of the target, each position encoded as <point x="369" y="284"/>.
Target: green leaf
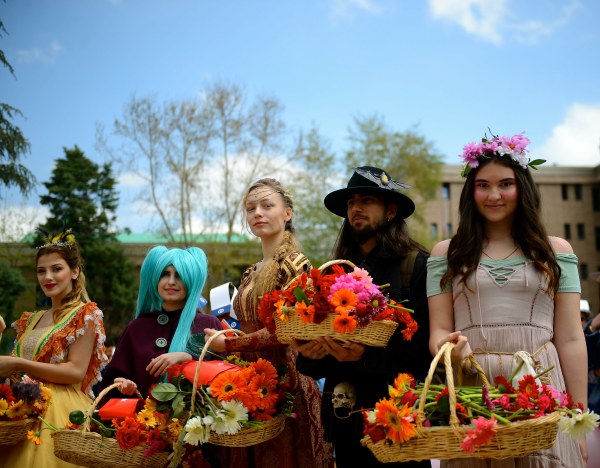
<point x="164" y="391"/>
<point x="300" y="295"/>
<point x="178" y="405"/>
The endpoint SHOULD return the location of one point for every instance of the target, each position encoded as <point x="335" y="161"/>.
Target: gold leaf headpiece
<point x="62" y="239"/>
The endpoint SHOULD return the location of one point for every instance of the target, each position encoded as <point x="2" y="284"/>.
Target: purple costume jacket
<point x="146" y="337"/>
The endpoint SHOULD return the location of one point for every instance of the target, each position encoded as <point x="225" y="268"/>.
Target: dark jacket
<point x="379" y="366"/>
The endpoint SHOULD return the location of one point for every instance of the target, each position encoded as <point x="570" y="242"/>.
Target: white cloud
<point x="129" y="180"/>
<point x="576" y="140"/>
<point x="491" y="19"/>
<point x="478" y="17"/>
<point x="46" y="55"/>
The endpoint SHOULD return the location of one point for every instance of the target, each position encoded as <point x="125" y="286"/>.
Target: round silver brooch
<point x="161" y="342"/>
<point x="162" y="319"/>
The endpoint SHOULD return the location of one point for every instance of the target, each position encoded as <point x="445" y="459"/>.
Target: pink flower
<point x="484" y="432"/>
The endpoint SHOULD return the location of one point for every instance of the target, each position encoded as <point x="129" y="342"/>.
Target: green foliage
<point x="12" y="285"/>
<point x="13" y="144"/>
<point x="407" y="156"/>
<point x="317" y="228"/>
<point x="81" y="195"/>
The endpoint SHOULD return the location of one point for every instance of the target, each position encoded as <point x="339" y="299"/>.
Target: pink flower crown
<point x="514" y="147"/>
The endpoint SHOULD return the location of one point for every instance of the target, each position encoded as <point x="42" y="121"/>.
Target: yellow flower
<point x="147" y="417"/>
<point x="3" y="406"/>
<point x="34" y="437"/>
<point x="18" y="410"/>
<point x="282" y="311"/>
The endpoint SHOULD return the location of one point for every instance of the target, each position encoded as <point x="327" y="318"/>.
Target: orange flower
<point x="265" y="389"/>
<point x="343" y="300"/>
<point x="306" y="313"/>
<point x="263" y="414"/>
<point x="34" y="437"/>
<point x="264" y="367"/>
<point x="344" y="323"/>
<point x="281" y="310"/>
<point x="398" y="422"/>
<point x="227" y="385"/>
<point x="402" y="383"/>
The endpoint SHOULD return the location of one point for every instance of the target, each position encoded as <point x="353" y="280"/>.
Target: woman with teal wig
<point x="168" y="327"/>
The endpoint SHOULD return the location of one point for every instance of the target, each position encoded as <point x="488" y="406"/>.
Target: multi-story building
<point x="570" y="209"/>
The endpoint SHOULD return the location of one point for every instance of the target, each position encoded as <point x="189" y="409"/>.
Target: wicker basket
<point x="85" y="448"/>
<point x="376" y="333"/>
<point x="444" y="442"/>
<point x="245" y="437"/>
<point x="13" y="432"/>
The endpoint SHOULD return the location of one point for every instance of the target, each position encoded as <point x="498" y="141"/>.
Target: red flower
<point x="128" y="438"/>
<point x="529" y="386"/>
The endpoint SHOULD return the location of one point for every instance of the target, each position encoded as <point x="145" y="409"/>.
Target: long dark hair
<point x="527" y="230"/>
<point x="393" y="240"/>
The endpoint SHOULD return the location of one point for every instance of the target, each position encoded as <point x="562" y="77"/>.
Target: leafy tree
<point x="81" y="195"/>
<point x="12" y="285"/>
<point x="316" y="176"/>
<point x="407" y="156"/>
<point x="13" y="143"/>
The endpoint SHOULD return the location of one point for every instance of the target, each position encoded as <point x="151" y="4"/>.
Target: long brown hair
<point x="393" y="240"/>
<point x="528" y="231"/>
<point x="69" y="252"/>
<point x="266" y="278"/>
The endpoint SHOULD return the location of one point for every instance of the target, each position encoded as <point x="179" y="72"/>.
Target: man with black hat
<point x="373" y="236"/>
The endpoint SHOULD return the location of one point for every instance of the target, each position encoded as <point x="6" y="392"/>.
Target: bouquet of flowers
<point x="21" y="403"/>
<point x="244" y="405"/>
<point x="339" y="304"/>
<point x="487" y="422"/>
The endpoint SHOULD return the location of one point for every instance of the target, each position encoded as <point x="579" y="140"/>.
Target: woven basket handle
<point x="97" y="400"/>
<point x="203" y="353"/>
<point x="444" y="352"/>
<point x="478" y="368"/>
<point x="337" y="262"/>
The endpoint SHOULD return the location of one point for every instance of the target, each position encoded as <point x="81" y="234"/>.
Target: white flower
<point x="579" y="425"/>
<point x="371" y="417"/>
<point x="229" y="419"/>
<point x="196" y="431"/>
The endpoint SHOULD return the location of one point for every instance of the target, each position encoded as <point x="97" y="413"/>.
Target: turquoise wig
<point x="192" y="266"/>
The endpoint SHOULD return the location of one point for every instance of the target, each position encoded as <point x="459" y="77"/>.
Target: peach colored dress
<point x="506" y="309"/>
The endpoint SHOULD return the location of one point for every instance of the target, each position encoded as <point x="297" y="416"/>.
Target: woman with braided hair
<point x="269" y="212"/>
<point x="63" y="347"/>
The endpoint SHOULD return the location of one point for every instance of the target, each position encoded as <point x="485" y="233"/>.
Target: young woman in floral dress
<point x="63" y="347"/>
<point x="269" y="212"/>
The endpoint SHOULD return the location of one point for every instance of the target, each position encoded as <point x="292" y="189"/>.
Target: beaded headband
<point x="514" y="147"/>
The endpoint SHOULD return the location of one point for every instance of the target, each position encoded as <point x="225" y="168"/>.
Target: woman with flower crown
<point x="63" y="347"/>
<point x="269" y="212"/>
<point x="507" y="293"/>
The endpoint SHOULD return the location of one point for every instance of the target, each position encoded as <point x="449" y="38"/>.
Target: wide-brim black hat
<point x="372" y="180"/>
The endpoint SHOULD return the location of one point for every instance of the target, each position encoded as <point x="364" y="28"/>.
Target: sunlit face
<point x="171" y="289"/>
<point x="266" y="213"/>
<point x="55" y="276"/>
<point x="367" y="213"/>
<point x="496" y="193"/>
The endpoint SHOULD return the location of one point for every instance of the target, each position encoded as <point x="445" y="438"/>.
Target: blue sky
<point x="453" y="68"/>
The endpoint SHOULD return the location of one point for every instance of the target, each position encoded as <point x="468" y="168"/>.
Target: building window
<point x="434" y="231"/>
<point x="584" y="271"/>
<point x="596" y="198"/>
<point x="580" y="231"/>
<point x="446" y="191"/>
<point x="567" y="231"/>
<point x="565" y="191"/>
<point x="448" y="232"/>
<point x="577" y="188"/>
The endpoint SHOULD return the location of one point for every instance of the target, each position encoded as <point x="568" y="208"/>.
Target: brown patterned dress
<point x="301" y="443"/>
